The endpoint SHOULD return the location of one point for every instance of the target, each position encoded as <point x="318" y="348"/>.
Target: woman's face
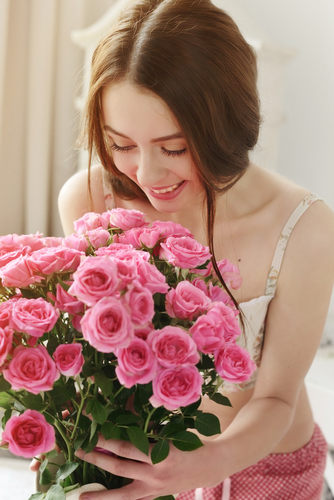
<point x="149" y="147"/>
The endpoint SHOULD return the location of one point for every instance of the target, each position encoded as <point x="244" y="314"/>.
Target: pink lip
<point x="164" y="187"/>
<point x="168" y="196"/>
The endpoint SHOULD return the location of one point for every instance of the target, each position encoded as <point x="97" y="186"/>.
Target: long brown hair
<point x="193" y="56"/>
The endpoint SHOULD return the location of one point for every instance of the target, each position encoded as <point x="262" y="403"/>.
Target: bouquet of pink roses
<point x="118" y="329"/>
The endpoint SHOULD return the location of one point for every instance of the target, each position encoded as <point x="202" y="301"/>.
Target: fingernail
<point x="85" y="497"/>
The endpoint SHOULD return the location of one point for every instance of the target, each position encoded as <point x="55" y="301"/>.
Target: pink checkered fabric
<point x="279" y="476"/>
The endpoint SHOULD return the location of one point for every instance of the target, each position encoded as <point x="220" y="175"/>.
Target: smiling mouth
<point x="167" y="190"/>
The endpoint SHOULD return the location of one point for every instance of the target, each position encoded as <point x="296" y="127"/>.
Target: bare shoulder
<point x="74" y="200"/>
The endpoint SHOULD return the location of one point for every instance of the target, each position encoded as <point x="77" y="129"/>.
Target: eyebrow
<point x="177" y="135"/>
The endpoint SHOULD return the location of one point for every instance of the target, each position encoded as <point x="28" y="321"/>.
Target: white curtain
<point x="40" y="70"/>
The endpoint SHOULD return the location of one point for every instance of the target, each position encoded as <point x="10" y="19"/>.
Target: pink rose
<point x="142" y="332"/>
<point x="52" y="241"/>
<point x="31" y="369"/>
<point x="230" y="273"/>
<point x="76" y="241"/>
<point x="98" y="237"/>
<point x="18" y="273"/>
<point x="126" y="219"/>
<point x="201" y="285"/>
<point x="107" y="325"/>
<point x="6" y="311"/>
<point x="12" y="252"/>
<point x="126" y="271"/>
<point x="33" y="316"/>
<point x="218" y="294"/>
<point x="140" y="304"/>
<point x="212" y="330"/>
<point x="29" y="434"/>
<point x="136" y="363"/>
<point x="69" y="359"/>
<point x="169" y="228"/>
<point x="139" y="237"/>
<point x="151" y="278"/>
<point x="6" y="340"/>
<point x="233" y="363"/>
<point x="95" y="278"/>
<point x="173" y="346"/>
<point x="76" y="322"/>
<point x="175" y="387"/>
<point x="51" y="260"/>
<point x="186" y="301"/>
<point x="90" y="221"/>
<point x="34" y="241"/>
<point x="66" y="302"/>
<point x="184" y="252"/>
<point x="113" y="249"/>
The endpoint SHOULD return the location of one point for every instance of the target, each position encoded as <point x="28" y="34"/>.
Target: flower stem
<point x="148" y="419"/>
<point x="82" y="402"/>
<point x="68" y="444"/>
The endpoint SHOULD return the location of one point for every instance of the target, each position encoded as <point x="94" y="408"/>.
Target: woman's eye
<point x="120" y="149"/>
<point x="179" y="152"/>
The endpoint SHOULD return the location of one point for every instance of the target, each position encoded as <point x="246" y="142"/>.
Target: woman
<point x="172" y="114"/>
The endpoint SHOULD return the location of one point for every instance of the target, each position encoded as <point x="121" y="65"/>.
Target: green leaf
<point x="18" y="406"/>
<point x="166" y="497"/>
<point x="221" y="400"/>
<point x="104" y="383"/>
<point x="34" y="402"/>
<point x="160" y="451"/>
<point x="4" y="385"/>
<point x="56" y="492"/>
<point x="90" y="444"/>
<point x="126" y="419"/>
<point x="43" y="466"/>
<point x="80" y="440"/>
<point x="59" y="394"/>
<point x="139" y="439"/>
<point x="110" y="431"/>
<point x="97" y="411"/>
<point x="93" y="428"/>
<point x="45" y="477"/>
<point x="6" y="401"/>
<point x="52" y="454"/>
<point x="172" y="428"/>
<point x="186" y="441"/>
<point x="6" y="417"/>
<point x="52" y="345"/>
<point x="190" y="409"/>
<point x="207" y="424"/>
<point x="65" y="470"/>
<point x="37" y="496"/>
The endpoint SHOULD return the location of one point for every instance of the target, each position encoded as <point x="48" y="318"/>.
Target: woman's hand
<point x="180" y="471"/>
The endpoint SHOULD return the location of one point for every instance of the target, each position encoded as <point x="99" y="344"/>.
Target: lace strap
<point x="283" y="241"/>
<point x="109" y="198"/>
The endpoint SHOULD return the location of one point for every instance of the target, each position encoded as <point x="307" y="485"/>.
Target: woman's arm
<point x="294" y="327"/>
<point x="73" y="200"/>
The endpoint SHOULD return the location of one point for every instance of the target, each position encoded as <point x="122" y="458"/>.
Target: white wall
<point x="307" y="139"/>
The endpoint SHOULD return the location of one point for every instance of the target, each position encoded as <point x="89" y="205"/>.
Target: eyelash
<point x="164" y="151"/>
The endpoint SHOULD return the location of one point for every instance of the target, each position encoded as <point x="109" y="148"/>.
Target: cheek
<point x="126" y="163"/>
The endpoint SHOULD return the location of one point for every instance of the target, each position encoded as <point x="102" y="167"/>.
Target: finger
<point x="123" y="449"/>
<point x="118" y="466"/>
<point x="35" y="464"/>
<point x="134" y="491"/>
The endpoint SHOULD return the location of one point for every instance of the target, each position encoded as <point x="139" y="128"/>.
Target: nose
<point x="150" y="172"/>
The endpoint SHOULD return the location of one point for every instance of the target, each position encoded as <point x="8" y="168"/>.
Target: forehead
<point x="129" y="109"/>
